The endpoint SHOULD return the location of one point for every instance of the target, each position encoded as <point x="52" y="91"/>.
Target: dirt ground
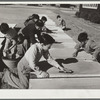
<point x="15" y="14"/>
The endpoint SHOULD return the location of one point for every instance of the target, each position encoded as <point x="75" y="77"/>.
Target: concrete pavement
<point x="63" y="50"/>
<point x="66" y="83"/>
<point x="86" y="72"/>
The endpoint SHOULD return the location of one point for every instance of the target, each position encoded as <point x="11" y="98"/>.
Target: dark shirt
<point x="29" y="22"/>
<point x="29" y="32"/>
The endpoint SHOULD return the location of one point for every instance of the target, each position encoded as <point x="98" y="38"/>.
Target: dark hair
<point x="98" y="57"/>
<point x="82" y="37"/>
<point x="32" y="17"/>
<point x="44" y="18"/>
<point x="36" y="16"/>
<point x="58" y="16"/>
<point x="4" y="27"/>
<point x="46" y="39"/>
<point x="39" y="23"/>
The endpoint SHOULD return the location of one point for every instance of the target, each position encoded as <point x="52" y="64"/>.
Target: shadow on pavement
<point x="70" y="60"/>
<point x="56" y="42"/>
<point x="66" y="61"/>
<point x="67" y="29"/>
<point x="44" y="65"/>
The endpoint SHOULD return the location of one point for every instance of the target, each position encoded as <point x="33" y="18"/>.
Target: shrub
<point x="77" y="14"/>
<point x="95" y="17"/>
<point x="84" y="15"/>
<point x="87" y="15"/>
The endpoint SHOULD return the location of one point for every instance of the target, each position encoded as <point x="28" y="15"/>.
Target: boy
<point x="86" y="44"/>
<point x="30" y="61"/>
<point x="62" y="23"/>
<point x="11" y="40"/>
<point x="30" y="30"/>
<point x="32" y="19"/>
<point x="45" y="29"/>
<point x="44" y="19"/>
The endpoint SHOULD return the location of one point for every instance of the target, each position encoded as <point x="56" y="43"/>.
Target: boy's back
<point x="91" y="46"/>
<point x="29" y="22"/>
<point x="11" y="34"/>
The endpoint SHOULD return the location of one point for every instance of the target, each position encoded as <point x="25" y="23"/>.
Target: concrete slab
<point x="65" y="83"/>
<point x="85" y="70"/>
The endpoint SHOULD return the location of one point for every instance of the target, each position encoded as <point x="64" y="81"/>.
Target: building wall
<point x="90" y="12"/>
<point x="82" y="8"/>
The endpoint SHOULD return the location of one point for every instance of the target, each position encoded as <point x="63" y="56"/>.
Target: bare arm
<point x="14" y="42"/>
<point x="6" y="45"/>
<point x="77" y="49"/>
<point x="51" y="61"/>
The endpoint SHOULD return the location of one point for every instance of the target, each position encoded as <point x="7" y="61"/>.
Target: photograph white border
<point x="50" y="93"/>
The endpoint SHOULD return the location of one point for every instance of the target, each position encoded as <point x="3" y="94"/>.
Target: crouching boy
<point x="31" y="59"/>
<point x="11" y="40"/>
<point x="62" y="23"/>
<point x="87" y="45"/>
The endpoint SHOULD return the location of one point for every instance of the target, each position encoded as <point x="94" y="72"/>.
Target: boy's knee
<point x="98" y="57"/>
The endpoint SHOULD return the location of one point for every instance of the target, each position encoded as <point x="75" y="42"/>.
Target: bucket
<point x="10" y="63"/>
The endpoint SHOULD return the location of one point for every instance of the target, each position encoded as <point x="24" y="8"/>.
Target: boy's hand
<point x="65" y="70"/>
<point x="14" y="71"/>
<point x="42" y="74"/>
<point x="75" y="54"/>
<point x="7" y="51"/>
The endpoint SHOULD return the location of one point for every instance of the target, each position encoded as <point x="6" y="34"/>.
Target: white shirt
<point x="34" y="54"/>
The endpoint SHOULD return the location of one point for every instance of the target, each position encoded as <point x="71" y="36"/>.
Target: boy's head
<point x="44" y="19"/>
<point x="4" y="27"/>
<point x="47" y="41"/>
<point x="20" y="38"/>
<point x="58" y="16"/>
<point x="83" y="37"/>
<point x="35" y="17"/>
<point x="39" y="24"/>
